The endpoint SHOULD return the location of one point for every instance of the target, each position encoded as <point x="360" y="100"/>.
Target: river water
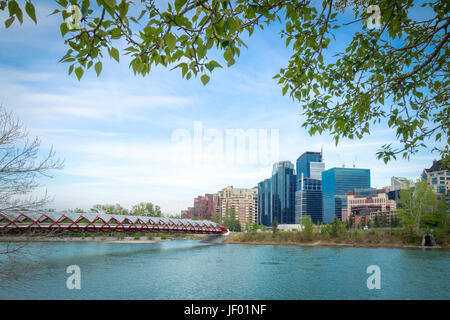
<point x="188" y="269"/>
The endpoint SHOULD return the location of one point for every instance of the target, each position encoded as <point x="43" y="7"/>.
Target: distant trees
<point x="417" y="206"/>
<point x="142" y="209"/>
<point x="418" y="210"/>
<point x="109" y="209"/>
<point x="307" y="225"/>
<point x="275" y="225"/>
<point x="250" y="226"/>
<point x="216" y="218"/>
<point x="230" y="221"/>
<point x="337" y="227"/>
<point x="146" y="209"/>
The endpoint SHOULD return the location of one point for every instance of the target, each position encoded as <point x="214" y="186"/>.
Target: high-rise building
<point x="308" y="197"/>
<point x="242" y="201"/>
<point x="336" y="182"/>
<point x="203" y="209"/>
<point x="283" y="185"/>
<point x="308" y="201"/>
<point x="310" y="165"/>
<point x="187" y="214"/>
<point x="265" y="203"/>
<point x="398" y="183"/>
<point x="438" y="177"/>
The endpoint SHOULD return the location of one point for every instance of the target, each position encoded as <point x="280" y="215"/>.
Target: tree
<point x="21" y="166"/>
<point x="416" y="205"/>
<point x="443" y="215"/>
<point x="216" y="217"/>
<point x="376" y="78"/>
<point x="377" y="222"/>
<point x="307" y="226"/>
<point x="109" y="209"/>
<point x="230" y="222"/>
<point x="337" y="227"/>
<point x="275" y="225"/>
<point x="147" y="209"/>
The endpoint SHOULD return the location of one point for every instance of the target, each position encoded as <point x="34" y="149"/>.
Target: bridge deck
<point x="103" y="222"/>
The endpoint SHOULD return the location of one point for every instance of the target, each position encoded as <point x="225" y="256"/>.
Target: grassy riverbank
<point x="392" y="238"/>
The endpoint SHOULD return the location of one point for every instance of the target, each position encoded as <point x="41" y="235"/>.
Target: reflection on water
<point x="189" y="269"/>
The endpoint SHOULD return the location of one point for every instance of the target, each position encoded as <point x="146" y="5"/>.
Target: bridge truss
<point x="97" y="222"/>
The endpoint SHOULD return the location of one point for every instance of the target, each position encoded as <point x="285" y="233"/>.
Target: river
<point x="188" y="269"/>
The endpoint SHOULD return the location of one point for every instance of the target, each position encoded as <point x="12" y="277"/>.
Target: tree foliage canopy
<point x="142" y="209"/>
<point x="397" y="73"/>
<point x="418" y="207"/>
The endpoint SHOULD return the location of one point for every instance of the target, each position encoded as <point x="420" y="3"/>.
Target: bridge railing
<point x="22" y="221"/>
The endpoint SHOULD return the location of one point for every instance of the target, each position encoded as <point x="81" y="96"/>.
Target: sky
<point x="127" y="139"/>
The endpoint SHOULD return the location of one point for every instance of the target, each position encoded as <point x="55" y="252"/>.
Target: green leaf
<point x="98" y="68"/>
<point x="54" y="12"/>
<point x="205" y="79"/>
<point x="115" y="33"/>
<point x="29" y="8"/>
<point x="79" y="72"/>
<point x="64" y="29"/>
<point x="9" y="21"/>
<point x="110" y="3"/>
<point x="228" y="55"/>
<point x="171" y="41"/>
<point x="114" y="53"/>
<point x="179" y="4"/>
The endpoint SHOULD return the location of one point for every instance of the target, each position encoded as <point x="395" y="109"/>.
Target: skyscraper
<point x="243" y="201"/>
<point x="283" y="187"/>
<point x="265" y="203"/>
<point x="310" y="165"/>
<point x="336" y="182"/>
<point x="308" y="197"/>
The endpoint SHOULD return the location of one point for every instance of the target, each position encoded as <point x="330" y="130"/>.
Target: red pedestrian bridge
<point x="97" y="222"/>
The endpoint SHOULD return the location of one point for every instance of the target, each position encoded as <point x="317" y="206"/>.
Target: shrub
<point x="412" y="235"/>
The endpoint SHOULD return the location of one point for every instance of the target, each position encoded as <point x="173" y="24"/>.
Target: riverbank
<point x="369" y="239"/>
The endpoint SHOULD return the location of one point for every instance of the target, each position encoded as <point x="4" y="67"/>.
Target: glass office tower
<point x="308" y="201"/>
<point x="283" y="187"/>
<point x="264" y="203"/>
<point x="336" y="182"/>
<point x="310" y="165"/>
<point x="308" y="197"/>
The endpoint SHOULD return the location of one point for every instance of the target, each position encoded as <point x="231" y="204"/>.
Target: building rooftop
<point x="437" y="166"/>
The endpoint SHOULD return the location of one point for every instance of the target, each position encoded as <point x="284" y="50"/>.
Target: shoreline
<point x="321" y="243"/>
<point x="145" y="240"/>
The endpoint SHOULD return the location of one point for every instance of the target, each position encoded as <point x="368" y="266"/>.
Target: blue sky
<point x="114" y="132"/>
